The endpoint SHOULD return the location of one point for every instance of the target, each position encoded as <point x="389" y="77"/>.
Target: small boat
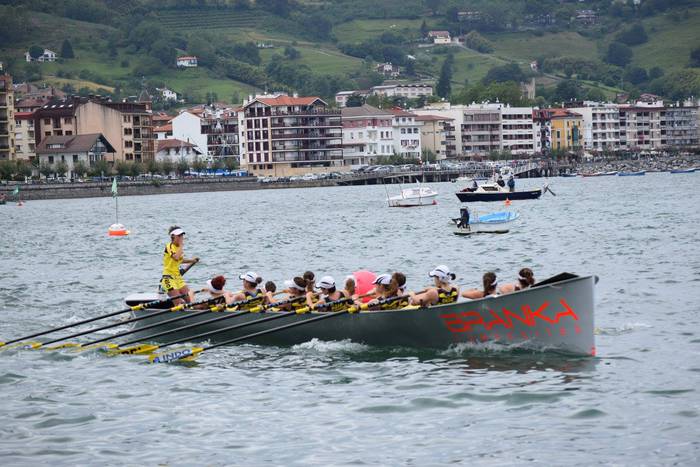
<point x="498" y="217"/>
<point x="418" y="196"/>
<point x="478" y="230"/>
<point x="683" y="171"/>
<point x="556" y="314"/>
<point x="494" y="192"/>
<point x="631" y="174"/>
<point x="569" y="175"/>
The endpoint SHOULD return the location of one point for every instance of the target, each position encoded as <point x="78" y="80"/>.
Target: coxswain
<point x="526" y="279"/>
<point x="251" y="281"/>
<point x="490" y="288"/>
<point x="442" y="292"/>
<point x="172" y="282"/>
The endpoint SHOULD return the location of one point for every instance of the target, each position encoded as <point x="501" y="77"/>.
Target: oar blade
<point x="184" y="354"/>
<point x="134" y="350"/>
<point x="27" y="345"/>
<point x="65" y="345"/>
<point x="107" y="346"/>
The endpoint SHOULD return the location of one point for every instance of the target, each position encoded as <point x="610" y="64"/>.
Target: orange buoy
<point x="507" y="202"/>
<point x="117" y="230"/>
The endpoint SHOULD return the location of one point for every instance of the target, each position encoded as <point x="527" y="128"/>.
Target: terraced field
<point x="209" y="19"/>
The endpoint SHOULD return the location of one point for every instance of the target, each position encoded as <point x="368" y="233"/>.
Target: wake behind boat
<point x="556" y="314"/>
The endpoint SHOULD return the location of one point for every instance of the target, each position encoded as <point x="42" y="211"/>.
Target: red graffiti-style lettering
<point x="497" y="320"/>
<point x="568" y="312"/>
<point x="527" y="318"/>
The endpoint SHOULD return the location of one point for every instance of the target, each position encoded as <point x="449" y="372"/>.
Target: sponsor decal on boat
<point x="172" y="356"/>
<point x="465" y="321"/>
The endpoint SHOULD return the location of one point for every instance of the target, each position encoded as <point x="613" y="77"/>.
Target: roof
<point x="163" y="128"/>
<point x="431" y="118"/>
<point x="400" y="112"/>
<point x="363" y="111"/>
<point x="23" y="115"/>
<point x="287" y="100"/>
<point x="187" y="57"/>
<point x="72" y="143"/>
<point x="31" y="102"/>
<point x="562" y="113"/>
<point x="164" y="144"/>
<point x="439" y="33"/>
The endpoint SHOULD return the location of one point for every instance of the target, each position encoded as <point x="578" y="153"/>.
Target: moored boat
<point x="683" y="171"/>
<point x="498" y="217"/>
<point x="495" y="192"/>
<point x="418" y="196"/>
<point x="556" y="314"/>
<point x="632" y="174"/>
<point x="569" y="175"/>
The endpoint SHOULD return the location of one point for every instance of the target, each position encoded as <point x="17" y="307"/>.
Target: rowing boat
<point x="557" y="314"/>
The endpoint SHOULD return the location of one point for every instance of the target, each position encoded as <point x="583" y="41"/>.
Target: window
<point x="67" y="120"/>
<point x="129" y="157"/>
<point x="128" y="131"/>
<point x="47" y="121"/>
<point x="127" y="118"/>
<point x="50" y="159"/>
<point x="68" y="132"/>
<point x="128" y="144"/>
<point x="75" y="158"/>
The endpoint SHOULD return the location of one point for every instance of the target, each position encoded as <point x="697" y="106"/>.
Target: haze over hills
<point x="583" y="49"/>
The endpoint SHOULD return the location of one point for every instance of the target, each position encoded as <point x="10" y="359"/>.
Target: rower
<point x="270" y="289"/>
<point x="490" y="288"/>
<point x="525" y="280"/>
<point x="399" y="281"/>
<point x="384" y="287"/>
<point x="309" y="277"/>
<point x="172" y="282"/>
<point x="251" y="281"/>
<point x="443" y="292"/>
<point x="294" y="288"/>
<point x="328" y="291"/>
<point x="215" y="287"/>
<point x="350" y="287"/>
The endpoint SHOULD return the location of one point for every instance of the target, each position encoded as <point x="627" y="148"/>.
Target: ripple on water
<point x="52" y="422"/>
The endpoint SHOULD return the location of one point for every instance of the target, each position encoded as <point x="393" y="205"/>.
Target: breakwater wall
<point x="147" y="187"/>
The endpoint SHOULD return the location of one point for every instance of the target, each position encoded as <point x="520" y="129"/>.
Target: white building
<point x="341" y="98"/>
<point x="440" y="37"/>
<point x="189" y="61"/>
<point x="601" y="126"/>
<point x="388" y="70"/>
<point x="409" y="91"/>
<point x="167" y="94"/>
<point x="407" y="136"/>
<point x="188" y="127"/>
<point x="367" y="134"/>
<point x="72" y="149"/>
<point x="25" y="147"/>
<point x="47" y="56"/>
<point x="175" y="150"/>
<point x="640" y="125"/>
<point x="452" y="113"/>
<point x="517" y="130"/>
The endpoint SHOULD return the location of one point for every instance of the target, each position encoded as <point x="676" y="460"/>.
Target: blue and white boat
<point x="631" y="174"/>
<point x="683" y="171"/>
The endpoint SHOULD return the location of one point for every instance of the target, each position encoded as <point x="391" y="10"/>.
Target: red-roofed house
<point x="186" y="62"/>
<point x="163" y="131"/>
<point x="176" y="149"/>
<point x="72" y="149"/>
<point x="440" y="37"/>
<point x="288" y="135"/>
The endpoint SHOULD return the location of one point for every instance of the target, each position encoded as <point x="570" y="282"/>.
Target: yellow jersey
<point x="171" y="266"/>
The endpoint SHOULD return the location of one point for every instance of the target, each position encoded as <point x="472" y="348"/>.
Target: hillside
<point x="322" y="47"/>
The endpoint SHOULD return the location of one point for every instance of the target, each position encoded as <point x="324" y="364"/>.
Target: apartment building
<point x="407" y="136"/>
<point x="542" y="126"/>
<point x="25" y="141"/>
<point x="640" y="126"/>
<point x="453" y="116"/>
<point x="566" y="129"/>
<point x="517" y="130"/>
<point x="601" y="125"/>
<point x="679" y="125"/>
<point x="7" y="120"/>
<point x="137" y="130"/>
<point x="368" y="133"/>
<point x="187" y="126"/>
<point x="407" y="91"/>
<point x="437" y="133"/>
<point x="289" y="135"/>
<point x="481" y="129"/>
<point x="221" y="129"/>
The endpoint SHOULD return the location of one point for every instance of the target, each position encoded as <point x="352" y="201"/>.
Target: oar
<point x="329" y="305"/>
<point x="36" y="345"/>
<point x="147" y="348"/>
<point x="90" y="320"/>
<point x="193" y="352"/>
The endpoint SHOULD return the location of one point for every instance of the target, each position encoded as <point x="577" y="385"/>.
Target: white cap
<point x="177" y="231"/>
<point x="213" y="289"/>
<point x="442" y="272"/>
<point x="249" y="276"/>
<point x="293" y="285"/>
<point x="383" y="279"/>
<point x="326" y="282"/>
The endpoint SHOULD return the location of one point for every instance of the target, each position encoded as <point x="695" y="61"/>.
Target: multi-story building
<point x="188" y="127"/>
<point x="405" y="90"/>
<point x="287" y="135"/>
<point x="175" y="149"/>
<point x="542" y="126"/>
<point x="679" y="125"/>
<point x="518" y="130"/>
<point x="222" y="132"/>
<point x="481" y="129"/>
<point x="7" y="120"/>
<point x="601" y="125"/>
<point x="126" y="125"/>
<point x="406" y="134"/>
<point x="640" y="126"/>
<point x="25" y="141"/>
<point x="73" y="149"/>
<point x="367" y="135"/>
<point x="437" y="133"/>
<point x="454" y="118"/>
<point x="566" y="130"/>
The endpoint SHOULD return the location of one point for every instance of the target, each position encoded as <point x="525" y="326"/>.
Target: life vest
<point x="447" y="296"/>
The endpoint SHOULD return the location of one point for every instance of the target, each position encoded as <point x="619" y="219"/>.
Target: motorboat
<point x="631" y="174"/>
<point x="415" y="196"/>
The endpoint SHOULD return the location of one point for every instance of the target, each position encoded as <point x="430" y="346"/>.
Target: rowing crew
<point x="387" y="288"/>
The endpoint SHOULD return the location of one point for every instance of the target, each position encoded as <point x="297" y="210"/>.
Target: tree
<point x="423" y="29"/>
<point x="199" y="165"/>
<point x="291" y="53"/>
<point x="444" y="87"/>
<point x="61" y="169"/>
<point x="231" y="163"/>
<point x="656" y="72"/>
<point x="695" y="57"/>
<point x="67" y="49"/>
<point x="634" y="35"/>
<point x="166" y="166"/>
<point x="100" y="169"/>
<point x="410" y="68"/>
<point x="503" y="73"/>
<point x="6" y="170"/>
<point x="163" y="51"/>
<point x="136" y="169"/>
<point x="182" y="166"/>
<point x="35" y="51"/>
<point x="79" y="169"/>
<point x="567" y="90"/>
<point x="45" y="170"/>
<point x="476" y="41"/>
<point x="354" y="100"/>
<point x="152" y="166"/>
<point x="618" y="54"/>
<point x="122" y="168"/>
<point x="636" y="75"/>
<point x="433" y="5"/>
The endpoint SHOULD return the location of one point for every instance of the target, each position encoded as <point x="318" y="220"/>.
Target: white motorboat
<point x="417" y="196"/>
